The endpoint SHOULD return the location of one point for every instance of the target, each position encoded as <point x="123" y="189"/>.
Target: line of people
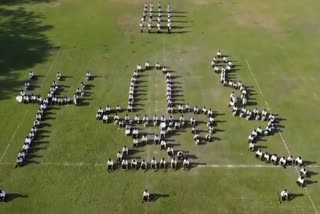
<point x="125" y="162"/>
<point x="220" y="64"/>
<point x="159" y="19"/>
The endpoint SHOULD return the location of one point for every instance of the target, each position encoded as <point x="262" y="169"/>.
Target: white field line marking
<point x="13" y="135"/>
<point x="84" y="164"/>
<point x="50" y="68"/>
<point x="282" y="138"/>
<point x="267" y="105"/>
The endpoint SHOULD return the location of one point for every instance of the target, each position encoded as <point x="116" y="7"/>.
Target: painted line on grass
<point x="50" y="68"/>
<point x="267" y="105"/>
<point x="13" y="135"/>
<point x="282" y="138"/>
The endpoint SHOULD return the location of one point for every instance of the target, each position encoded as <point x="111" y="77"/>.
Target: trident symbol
<point x="44" y="104"/>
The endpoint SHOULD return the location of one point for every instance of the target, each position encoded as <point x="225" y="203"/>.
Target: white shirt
<point x="185" y="161"/>
<point x="173" y="161"/>
<point x="110" y="162"/>
<point x="119" y="155"/>
<point x="124" y="162"/>
<point x="299" y="160"/>
<point x="300" y="180"/>
<point x="284" y="194"/>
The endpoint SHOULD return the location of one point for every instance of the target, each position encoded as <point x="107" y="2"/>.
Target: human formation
<point x="168" y="125"/>
<point x="222" y="65"/>
<point x="44" y="103"/>
<point x="162" y="23"/>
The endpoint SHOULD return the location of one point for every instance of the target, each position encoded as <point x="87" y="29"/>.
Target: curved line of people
<point x="221" y="64"/>
<point x="159" y="20"/>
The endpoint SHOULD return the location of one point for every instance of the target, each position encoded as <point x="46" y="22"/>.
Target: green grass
<point x="280" y="41"/>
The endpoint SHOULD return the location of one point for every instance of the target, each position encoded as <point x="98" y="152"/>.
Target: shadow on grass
<point x="292" y="196"/>
<point x="156" y="196"/>
<point x="23" y="45"/>
<point x="13" y="196"/>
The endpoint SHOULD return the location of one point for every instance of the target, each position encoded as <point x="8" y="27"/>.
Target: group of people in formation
<point x="167" y="124"/>
<point x="51" y="96"/>
<point x="133" y="82"/>
<point x="159" y="19"/>
<point x="43" y="106"/>
<point x="124" y="161"/>
<point x="221" y="64"/>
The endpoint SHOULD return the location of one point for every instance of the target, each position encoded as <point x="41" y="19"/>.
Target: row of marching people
<point x="196" y="110"/>
<point x="30" y="138"/>
<point x="79" y="93"/>
<point x="132" y="88"/>
<point x="285" y="161"/>
<point x="169" y="93"/>
<point x="270" y="158"/>
<point x="153" y="164"/>
<point x="151" y="14"/>
<point x="106" y="112"/>
<point x="179" y="155"/>
<point x="223" y="69"/>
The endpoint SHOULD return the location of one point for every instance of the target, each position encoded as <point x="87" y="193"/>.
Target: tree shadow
<point x="13" y="2"/>
<point x="23" y="44"/>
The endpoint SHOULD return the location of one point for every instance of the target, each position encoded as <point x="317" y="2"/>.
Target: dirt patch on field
<point x="255" y="19"/>
<point x="134" y="2"/>
<point x="128" y="22"/>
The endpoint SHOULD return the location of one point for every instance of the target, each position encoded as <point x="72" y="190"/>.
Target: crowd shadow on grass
<point x="23" y="44"/>
<point x="13" y="196"/>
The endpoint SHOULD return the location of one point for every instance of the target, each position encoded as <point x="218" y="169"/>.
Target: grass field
<point x="276" y="45"/>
